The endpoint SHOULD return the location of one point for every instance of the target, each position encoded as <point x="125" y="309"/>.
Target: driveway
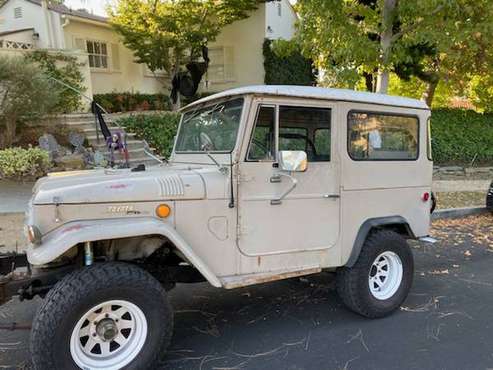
<point x="446" y="323"/>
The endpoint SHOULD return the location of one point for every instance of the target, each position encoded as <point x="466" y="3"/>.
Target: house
<point x="236" y="56"/>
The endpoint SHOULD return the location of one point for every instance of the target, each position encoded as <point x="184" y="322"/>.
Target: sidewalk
<point x="460" y="185"/>
<point x="14" y="196"/>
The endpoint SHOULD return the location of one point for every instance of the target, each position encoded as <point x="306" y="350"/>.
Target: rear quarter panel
<point x="371" y="189"/>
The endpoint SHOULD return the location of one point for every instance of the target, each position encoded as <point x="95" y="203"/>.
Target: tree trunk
<point x="368" y="81"/>
<point x="176" y="106"/>
<point x="383" y="76"/>
<point x="10" y="130"/>
<point x="429" y="93"/>
<point x="383" y="79"/>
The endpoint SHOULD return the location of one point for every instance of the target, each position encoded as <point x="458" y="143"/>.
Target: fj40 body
<point x="264" y="183"/>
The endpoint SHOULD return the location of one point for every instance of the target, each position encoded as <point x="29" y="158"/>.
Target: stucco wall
<point x="129" y="77"/>
<point x="245" y="37"/>
<point x="32" y="17"/>
<point x="279" y="24"/>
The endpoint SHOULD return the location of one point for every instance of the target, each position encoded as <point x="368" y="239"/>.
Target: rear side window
<point x="377" y="136"/>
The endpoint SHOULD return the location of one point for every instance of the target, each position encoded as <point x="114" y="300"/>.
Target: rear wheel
<point x="381" y="278"/>
<point x="106" y="316"/>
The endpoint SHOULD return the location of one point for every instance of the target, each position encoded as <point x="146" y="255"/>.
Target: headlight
<point x="33" y="234"/>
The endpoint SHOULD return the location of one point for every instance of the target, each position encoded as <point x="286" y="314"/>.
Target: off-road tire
<point x="352" y="282"/>
<point x="83" y="289"/>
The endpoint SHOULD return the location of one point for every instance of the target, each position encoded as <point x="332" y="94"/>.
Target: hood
<point x="106" y="186"/>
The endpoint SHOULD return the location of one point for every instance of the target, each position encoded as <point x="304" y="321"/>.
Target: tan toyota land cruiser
<point x="264" y="183"/>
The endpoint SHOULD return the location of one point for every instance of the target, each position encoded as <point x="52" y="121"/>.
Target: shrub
<point x="157" y="129"/>
<point x="284" y="64"/>
<point x="127" y="102"/>
<point x="26" y="95"/>
<point x="21" y="164"/>
<point x="64" y="68"/>
<point x="461" y="137"/>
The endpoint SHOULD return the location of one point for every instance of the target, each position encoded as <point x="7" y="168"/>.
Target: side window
<point x="322" y="142"/>
<point x="293" y="138"/>
<point x="305" y="128"/>
<point x="377" y="136"/>
<point x="262" y="143"/>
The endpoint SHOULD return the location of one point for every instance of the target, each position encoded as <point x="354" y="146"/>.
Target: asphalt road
<point x="446" y="322"/>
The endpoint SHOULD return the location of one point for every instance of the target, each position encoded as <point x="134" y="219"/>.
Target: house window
<point x="221" y="67"/>
<point x="18" y="12"/>
<point x="98" y="54"/>
<point x="279" y="9"/>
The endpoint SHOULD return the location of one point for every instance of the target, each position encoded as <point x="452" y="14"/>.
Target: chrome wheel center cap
<point x="107" y="329"/>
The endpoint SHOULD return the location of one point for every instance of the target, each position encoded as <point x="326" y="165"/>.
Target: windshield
<point x="210" y="129"/>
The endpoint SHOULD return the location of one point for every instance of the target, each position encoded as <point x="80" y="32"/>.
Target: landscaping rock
<point x="71" y="162"/>
<point x="49" y="143"/>
<point x="77" y="140"/>
<point x="99" y="159"/>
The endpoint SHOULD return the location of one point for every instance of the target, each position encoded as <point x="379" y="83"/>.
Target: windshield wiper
<point x="222" y="169"/>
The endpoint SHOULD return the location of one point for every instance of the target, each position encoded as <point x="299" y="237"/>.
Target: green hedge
<point x="157" y="129"/>
<point x="461" y="136"/>
<point x="128" y="102"/>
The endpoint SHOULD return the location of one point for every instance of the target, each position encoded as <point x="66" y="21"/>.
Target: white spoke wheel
<point x="106" y="316"/>
<point x="109" y="335"/>
<point x="385" y="275"/>
<point x="379" y="280"/>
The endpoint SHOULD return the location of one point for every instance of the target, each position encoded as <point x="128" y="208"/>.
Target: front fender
<point x="59" y="241"/>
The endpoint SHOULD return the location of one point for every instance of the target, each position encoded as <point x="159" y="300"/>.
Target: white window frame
<point x="228" y="75"/>
<point x="100" y="55"/>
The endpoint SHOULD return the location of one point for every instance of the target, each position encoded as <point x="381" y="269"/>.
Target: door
<point x="308" y="217"/>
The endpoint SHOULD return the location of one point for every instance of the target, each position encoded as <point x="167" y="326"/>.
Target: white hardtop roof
<point x="318" y="93"/>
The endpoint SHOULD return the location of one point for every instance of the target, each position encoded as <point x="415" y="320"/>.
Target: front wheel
<point x="381" y="278"/>
<point x="106" y="316"/>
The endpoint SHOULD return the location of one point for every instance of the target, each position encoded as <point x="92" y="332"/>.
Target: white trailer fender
<point x="59" y="241"/>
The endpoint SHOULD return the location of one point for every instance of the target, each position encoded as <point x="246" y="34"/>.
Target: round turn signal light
<point x="163" y="211"/>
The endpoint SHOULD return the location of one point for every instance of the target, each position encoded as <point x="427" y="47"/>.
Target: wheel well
<point x="154" y="253"/>
<point x="402" y="229"/>
<point x="397" y="224"/>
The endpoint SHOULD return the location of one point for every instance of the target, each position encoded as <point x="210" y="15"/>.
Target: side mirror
<point x="293" y="160"/>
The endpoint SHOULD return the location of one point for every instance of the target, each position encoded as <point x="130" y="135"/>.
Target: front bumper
<point x="17" y="278"/>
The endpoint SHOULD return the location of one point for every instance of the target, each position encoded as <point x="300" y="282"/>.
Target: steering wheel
<point x="263" y="148"/>
<point x="206" y="142"/>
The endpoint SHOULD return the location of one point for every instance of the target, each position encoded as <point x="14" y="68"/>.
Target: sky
<point x="94" y="6"/>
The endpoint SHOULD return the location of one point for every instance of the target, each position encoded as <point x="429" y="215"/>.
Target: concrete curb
<point x="458" y="212"/>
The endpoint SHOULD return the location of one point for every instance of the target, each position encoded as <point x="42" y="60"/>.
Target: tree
<point x="26" y="94"/>
<point x="167" y="34"/>
<point x="428" y="39"/>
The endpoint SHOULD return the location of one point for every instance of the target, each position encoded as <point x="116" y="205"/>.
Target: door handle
<point x="275" y="179"/>
<point x="332" y="196"/>
<point x="294" y="184"/>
